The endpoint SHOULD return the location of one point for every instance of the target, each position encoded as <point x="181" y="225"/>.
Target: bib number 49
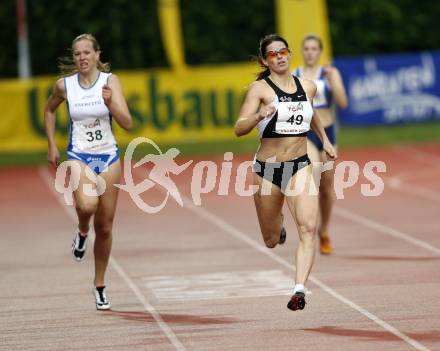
<point x="298" y="119"/>
<point x="94" y="136"/>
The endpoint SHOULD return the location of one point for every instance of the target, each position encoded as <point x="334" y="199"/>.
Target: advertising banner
<point x="184" y="104"/>
<point x="389" y="89"/>
<point x="192" y="106"/>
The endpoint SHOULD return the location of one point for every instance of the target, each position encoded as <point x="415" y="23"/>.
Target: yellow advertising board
<point x="178" y="105"/>
<point x="298" y="18"/>
<point x="201" y="105"/>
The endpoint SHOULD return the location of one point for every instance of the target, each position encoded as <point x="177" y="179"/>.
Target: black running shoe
<point x="283" y="233"/>
<point x="79" y="246"/>
<point x="283" y="236"/>
<point x="297" y="301"/>
<point x="101" y="299"/>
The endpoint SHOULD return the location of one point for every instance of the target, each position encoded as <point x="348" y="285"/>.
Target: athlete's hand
<point x="53" y="157"/>
<point x="107" y="94"/>
<point x="265" y="112"/>
<point x="330" y="150"/>
<point x="329" y="71"/>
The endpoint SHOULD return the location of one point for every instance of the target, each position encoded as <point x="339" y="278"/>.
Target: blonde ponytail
<point x="67" y="66"/>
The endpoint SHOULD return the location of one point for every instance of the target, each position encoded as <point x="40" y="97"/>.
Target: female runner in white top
<point x="94" y="97"/>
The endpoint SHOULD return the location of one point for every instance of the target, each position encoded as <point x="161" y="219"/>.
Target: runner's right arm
<point x="55" y="99"/>
<point x="250" y="115"/>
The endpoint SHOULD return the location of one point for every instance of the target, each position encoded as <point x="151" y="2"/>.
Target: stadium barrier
<point x="181" y="105"/>
<point x="200" y="104"/>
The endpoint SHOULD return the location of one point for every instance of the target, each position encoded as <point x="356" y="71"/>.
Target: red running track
<point x="199" y="278"/>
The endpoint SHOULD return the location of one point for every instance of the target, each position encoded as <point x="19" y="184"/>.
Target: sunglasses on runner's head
<point x="284" y="52"/>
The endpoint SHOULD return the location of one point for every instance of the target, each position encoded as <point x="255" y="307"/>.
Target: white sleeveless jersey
<point x="323" y="97"/>
<point x="90" y="119"/>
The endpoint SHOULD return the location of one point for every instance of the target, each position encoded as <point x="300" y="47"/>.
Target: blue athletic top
<point x="323" y="97"/>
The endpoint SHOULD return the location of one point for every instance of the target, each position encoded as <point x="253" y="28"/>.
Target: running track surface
<point x="198" y="277"/>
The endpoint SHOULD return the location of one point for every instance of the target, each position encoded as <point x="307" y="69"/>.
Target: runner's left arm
<point x="337" y="86"/>
<point x="115" y="101"/>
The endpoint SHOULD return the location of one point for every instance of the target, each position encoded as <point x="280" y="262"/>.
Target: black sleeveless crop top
<point x="293" y="113"/>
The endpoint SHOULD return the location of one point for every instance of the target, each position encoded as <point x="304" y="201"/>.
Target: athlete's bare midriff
<point x="326" y="115"/>
<point x="284" y="149"/>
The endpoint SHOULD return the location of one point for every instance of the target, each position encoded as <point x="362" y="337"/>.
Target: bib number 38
<point x="96" y="135"/>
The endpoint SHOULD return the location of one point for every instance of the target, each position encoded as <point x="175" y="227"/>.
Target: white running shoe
<point x="79" y="246"/>
<point x="101" y="298"/>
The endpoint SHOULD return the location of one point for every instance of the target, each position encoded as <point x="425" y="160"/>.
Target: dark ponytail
<point x="264" y="43"/>
<point x="263" y="74"/>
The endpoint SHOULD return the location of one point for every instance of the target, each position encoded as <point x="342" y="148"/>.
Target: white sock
<point x="298" y="288"/>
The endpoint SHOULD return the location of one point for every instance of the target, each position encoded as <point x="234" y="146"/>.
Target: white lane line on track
<point x="47" y="176"/>
<point x="220" y="285"/>
<point x="229" y="229"/>
<point x="412" y="175"/>
<point x="402" y="186"/>
<point x="417" y="154"/>
<point x="424" y="157"/>
<point x="384" y="229"/>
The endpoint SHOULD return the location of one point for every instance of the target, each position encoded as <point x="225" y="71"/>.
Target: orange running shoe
<point x="325" y="247"/>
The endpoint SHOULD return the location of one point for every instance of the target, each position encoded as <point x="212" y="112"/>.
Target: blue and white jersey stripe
<point x="90" y="119"/>
<point x="323" y="97"/>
